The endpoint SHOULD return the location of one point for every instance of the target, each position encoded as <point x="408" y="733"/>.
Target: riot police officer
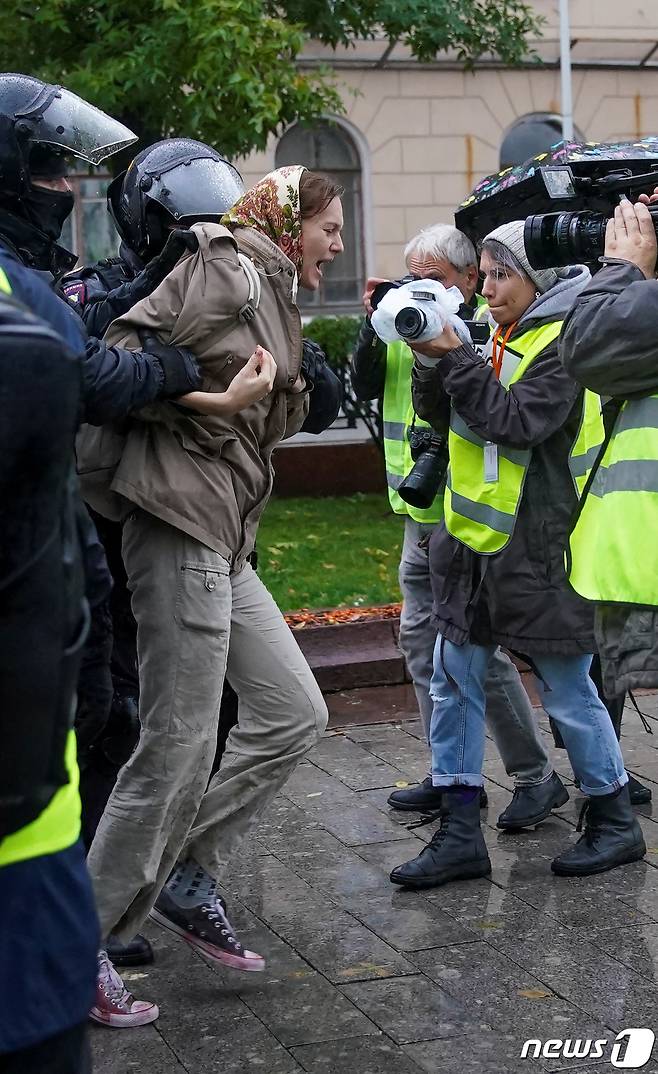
<point x="41" y="126"/>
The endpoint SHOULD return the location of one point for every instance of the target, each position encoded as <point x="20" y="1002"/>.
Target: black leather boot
<point x="533" y="803"/>
<point x="137" y="952"/>
<point x="639" y="794"/>
<point x="424" y="798"/>
<point x="457" y="850"/>
<point x="612" y="837"/>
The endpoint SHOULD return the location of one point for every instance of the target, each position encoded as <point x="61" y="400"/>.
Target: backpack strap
<point x="247" y="312"/>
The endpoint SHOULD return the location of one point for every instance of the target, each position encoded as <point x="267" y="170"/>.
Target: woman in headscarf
<point x="195" y="483"/>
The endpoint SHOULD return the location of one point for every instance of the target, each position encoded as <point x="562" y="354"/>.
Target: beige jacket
<point x="209" y="476"/>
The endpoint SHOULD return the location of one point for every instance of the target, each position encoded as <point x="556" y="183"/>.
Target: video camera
<point x="565" y="195"/>
<point x="577" y="235"/>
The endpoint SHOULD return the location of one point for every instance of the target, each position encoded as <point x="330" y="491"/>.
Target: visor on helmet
<point x="54" y="116"/>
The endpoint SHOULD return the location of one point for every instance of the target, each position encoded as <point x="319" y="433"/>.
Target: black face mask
<point x="48" y="210"/>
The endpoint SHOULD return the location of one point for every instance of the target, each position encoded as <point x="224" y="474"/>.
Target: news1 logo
<point x="631" y="1049"/>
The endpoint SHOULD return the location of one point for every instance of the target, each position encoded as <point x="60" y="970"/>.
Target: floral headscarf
<point x="272" y="206"/>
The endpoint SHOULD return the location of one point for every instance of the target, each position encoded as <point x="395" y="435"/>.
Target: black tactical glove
<point x="326" y="390"/>
<point x="313" y="358"/>
<point x="180" y="371"/>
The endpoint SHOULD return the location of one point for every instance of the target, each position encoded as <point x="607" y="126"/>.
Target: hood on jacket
<point x="555" y="303"/>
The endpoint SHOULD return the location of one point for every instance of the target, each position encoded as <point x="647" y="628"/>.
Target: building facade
<point x="415" y="138"/>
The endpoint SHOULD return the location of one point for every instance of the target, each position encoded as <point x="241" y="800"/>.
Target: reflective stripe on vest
<point x="5" y="285"/>
<point x="57" y="827"/>
<point x="613" y="550"/>
<point x="588" y="442"/>
<point x="482" y="514"/>
<point x="398" y="417"/>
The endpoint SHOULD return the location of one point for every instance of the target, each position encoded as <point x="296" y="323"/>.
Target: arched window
<point x="327" y="147"/>
<point x="531" y="134"/>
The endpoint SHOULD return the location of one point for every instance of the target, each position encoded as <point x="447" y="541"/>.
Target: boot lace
<point x="592" y="824"/>
<point x="111" y="983"/>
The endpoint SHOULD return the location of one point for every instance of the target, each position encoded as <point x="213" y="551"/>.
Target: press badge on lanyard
<point x="490" y="462"/>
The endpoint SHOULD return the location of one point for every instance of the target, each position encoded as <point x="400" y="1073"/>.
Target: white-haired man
<point x="383" y="372"/>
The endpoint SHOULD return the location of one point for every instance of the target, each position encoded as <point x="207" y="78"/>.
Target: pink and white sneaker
<point x="115" y="1006"/>
<point x="207" y="928"/>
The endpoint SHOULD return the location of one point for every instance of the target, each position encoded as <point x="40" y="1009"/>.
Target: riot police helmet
<point x="43" y="124"/>
<point x="178" y="181"/>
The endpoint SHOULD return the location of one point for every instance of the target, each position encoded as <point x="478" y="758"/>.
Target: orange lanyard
<point x="496" y="355"/>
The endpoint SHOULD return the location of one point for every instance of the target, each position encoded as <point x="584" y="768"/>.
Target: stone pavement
<point x="364" y="978"/>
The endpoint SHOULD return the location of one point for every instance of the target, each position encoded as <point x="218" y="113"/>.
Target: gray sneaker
<point x="207" y="928"/>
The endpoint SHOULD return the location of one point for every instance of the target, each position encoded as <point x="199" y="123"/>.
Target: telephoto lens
<point x="555" y="240"/>
<point x="422" y="483"/>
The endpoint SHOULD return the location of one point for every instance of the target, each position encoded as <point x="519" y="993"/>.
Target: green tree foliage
<point x="225" y="71"/>
<point x="337" y="336"/>
<point x="471" y="28"/>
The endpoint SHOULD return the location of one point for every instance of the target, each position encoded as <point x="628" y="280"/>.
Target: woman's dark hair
<point x="503" y="256"/>
<point x="316" y="192"/>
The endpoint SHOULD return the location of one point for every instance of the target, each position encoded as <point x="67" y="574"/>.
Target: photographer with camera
<point x="608" y="344"/>
<point x="520" y="436"/>
<point x="445" y="254"/>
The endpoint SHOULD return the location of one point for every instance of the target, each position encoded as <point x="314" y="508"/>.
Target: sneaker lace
<point x="216" y="911"/>
<point x="111" y="982"/>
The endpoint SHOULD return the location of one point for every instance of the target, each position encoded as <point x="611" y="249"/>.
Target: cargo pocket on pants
<point x="203" y="597"/>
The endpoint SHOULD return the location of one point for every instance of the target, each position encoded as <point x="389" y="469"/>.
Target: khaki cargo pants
<point x="197" y="622"/>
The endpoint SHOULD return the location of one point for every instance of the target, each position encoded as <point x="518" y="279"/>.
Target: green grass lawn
<point x="330" y="553"/>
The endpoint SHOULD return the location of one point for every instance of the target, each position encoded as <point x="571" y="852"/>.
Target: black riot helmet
<point x="41" y="125"/>
<point x="176" y="181"/>
<point x="50" y="121"/>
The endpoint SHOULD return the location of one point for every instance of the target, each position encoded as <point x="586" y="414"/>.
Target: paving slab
<point x="363" y="977"/>
<point x="359" y="1055"/>
<point x="413" y="1008"/>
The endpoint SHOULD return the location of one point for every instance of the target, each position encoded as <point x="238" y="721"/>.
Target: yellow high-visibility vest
<point x="485" y="481"/>
<point x="613" y="547"/>
<point x="398" y="417"/>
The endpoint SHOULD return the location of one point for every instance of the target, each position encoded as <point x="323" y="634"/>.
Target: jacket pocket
<point x="203" y="599"/>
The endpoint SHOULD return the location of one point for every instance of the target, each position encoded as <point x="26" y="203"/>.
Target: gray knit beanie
<point x="511" y="236"/>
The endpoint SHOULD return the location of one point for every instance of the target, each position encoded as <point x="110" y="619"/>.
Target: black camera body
<point x="430" y="454"/>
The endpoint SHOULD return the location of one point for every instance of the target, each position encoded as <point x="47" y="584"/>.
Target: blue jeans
<point x="567" y="693"/>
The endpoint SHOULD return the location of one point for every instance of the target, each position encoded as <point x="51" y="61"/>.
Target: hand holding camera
<point x="631" y="236"/>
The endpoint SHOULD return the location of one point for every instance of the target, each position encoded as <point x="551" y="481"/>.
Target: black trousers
<point x="65" y="1053"/>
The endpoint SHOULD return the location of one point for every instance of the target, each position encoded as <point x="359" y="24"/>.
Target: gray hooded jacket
<point x="520" y="597"/>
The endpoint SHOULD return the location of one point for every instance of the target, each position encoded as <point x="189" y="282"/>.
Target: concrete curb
<point x="348" y="656"/>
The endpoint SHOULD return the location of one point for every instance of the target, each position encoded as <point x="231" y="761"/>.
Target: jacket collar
<point x="270" y="258"/>
<point x="32" y="247"/>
